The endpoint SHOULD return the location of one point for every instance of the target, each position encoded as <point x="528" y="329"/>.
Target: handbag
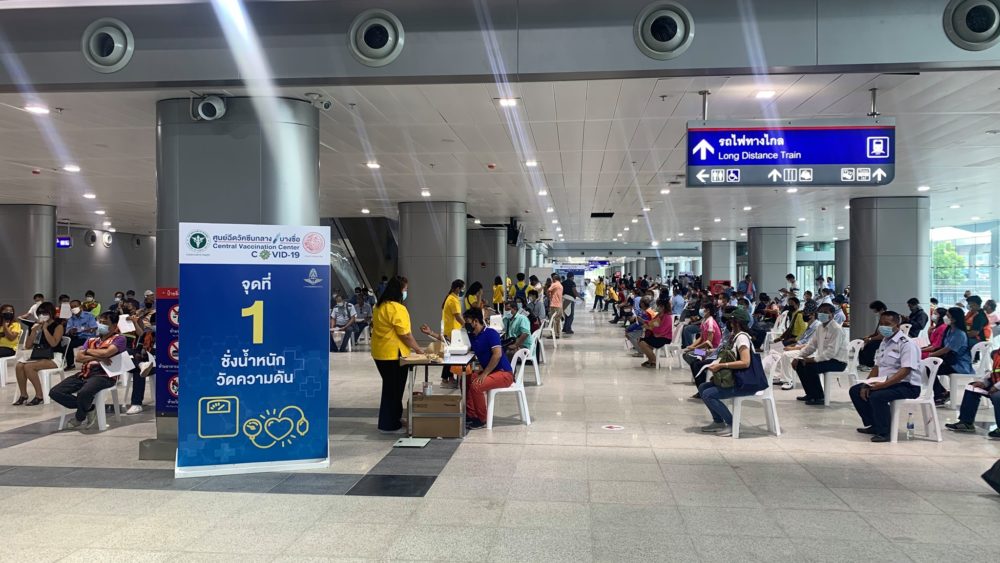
<point x="751" y="379"/>
<point x="724" y="378"/>
<point x="992" y="477"/>
<point x="41" y="354"/>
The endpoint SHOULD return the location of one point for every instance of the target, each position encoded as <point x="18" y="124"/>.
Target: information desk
<point x="421" y="360"/>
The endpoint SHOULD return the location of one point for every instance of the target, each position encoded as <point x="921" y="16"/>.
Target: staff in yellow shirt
<point x="498" y="294"/>
<point x="392" y="340"/>
<point x="599" y="289"/>
<point x="451" y="319"/>
<point x="10" y="331"/>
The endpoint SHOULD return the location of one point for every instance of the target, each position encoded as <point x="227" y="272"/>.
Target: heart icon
<point x="279" y="428"/>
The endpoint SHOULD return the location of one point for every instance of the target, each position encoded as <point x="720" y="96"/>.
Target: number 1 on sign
<point x="257" y="312"/>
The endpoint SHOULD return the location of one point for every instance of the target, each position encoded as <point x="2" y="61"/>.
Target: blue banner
<point x="167" y="350"/>
<point x="256" y="331"/>
<point x="800" y="146"/>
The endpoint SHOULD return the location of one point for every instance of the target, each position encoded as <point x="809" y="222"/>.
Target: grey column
<point x="772" y="257"/>
<point x="890" y="255"/>
<point x="654" y="267"/>
<point x="28" y="240"/>
<point x="487" y="258"/>
<point x="696" y="267"/>
<point x="842" y="265"/>
<point x="515" y="261"/>
<point x="719" y="259"/>
<point x="994" y="258"/>
<point x="236" y="169"/>
<point x="432" y="253"/>
<point x="640" y="267"/>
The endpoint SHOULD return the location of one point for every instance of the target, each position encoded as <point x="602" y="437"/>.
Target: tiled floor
<point x="562" y="489"/>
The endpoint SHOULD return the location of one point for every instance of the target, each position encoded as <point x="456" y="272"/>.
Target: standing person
<point x="451" y="320"/>
<point x="898" y="362"/>
<point x="77" y="392"/>
<point x="520" y="288"/>
<point x="555" y="295"/>
<point x="10" y="331"/>
<point x="570" y="295"/>
<point x="599" y="291"/>
<point x="792" y="285"/>
<point x="474" y="297"/>
<point x="494" y="373"/>
<point x="44" y="340"/>
<point x="713" y="397"/>
<point x="747" y="287"/>
<point x="391" y="340"/>
<point x="498" y="292"/>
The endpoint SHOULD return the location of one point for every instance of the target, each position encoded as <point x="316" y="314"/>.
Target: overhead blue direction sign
<point x="828" y="152"/>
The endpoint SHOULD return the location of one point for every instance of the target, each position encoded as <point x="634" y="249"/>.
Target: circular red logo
<point x="173" y="352"/>
<point x="314" y="243"/>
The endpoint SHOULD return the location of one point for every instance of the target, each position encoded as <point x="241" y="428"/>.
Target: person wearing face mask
<point x="10" y="331"/>
<point x="130" y="299"/>
<point x="779" y="359"/>
<point x="451" y="320"/>
<point x="866" y="358"/>
<point x="897" y="375"/>
<point x="90" y="304"/>
<point x="555" y="295"/>
<point x="986" y="387"/>
<point x="495" y="371"/>
<point x="80" y="327"/>
<point x="797" y="324"/>
<point x="44" y="340"/>
<point x="826" y="352"/>
<point x="392" y="339"/>
<point x="517" y="328"/>
<point x="31" y="315"/>
<point x="659" y="332"/>
<point x="936" y="335"/>
<point x="742" y="347"/>
<point x="77" y="392"/>
<point x="917" y="319"/>
<point x="116" y="307"/>
<point x="954" y="352"/>
<point x="709" y="334"/>
<point x="342" y="318"/>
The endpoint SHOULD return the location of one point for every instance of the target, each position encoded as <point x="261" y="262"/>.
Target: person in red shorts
<point x="495" y="372"/>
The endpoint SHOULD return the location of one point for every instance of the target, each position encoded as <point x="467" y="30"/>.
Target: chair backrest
<point x="64" y="343"/>
<point x="496" y="323"/>
<point x="459" y="338"/>
<point x="853" y="350"/>
<point x="983" y="349"/>
<point x="535" y="337"/>
<point x="905" y="328"/>
<point x="517" y="363"/>
<point x="928" y="375"/>
<point x="780" y="324"/>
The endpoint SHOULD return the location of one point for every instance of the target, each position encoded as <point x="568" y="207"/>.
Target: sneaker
<point x="396" y="431"/>
<point x="73" y="423"/>
<point x="940" y="401"/>
<point x="961" y="427"/>
<point x="449" y="385"/>
<point x="134" y="409"/>
<point x="787" y="386"/>
<point x="994" y="433"/>
<point x="715" y="427"/>
<point x="727" y="433"/>
<point x="864" y="368"/>
<point x="91" y="418"/>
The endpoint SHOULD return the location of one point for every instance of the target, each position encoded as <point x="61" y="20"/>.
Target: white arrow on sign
<point x="702" y="177"/>
<point x="879" y="175"/>
<point x="703" y="147"/>
<point x="774" y="175"/>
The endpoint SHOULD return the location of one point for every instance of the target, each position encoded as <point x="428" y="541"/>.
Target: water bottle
<point x="909" y="427"/>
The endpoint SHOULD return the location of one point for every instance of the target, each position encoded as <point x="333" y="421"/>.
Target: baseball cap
<point x="739" y="315"/>
<point x="147" y="293"/>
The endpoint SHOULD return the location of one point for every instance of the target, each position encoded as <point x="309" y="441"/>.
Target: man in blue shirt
<point x="80" y="327"/>
<point x="495" y="372"/>
<point x="677" y="302"/>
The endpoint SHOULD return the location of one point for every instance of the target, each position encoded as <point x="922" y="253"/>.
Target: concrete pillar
<point x="486" y="258"/>
<point x="719" y="259"/>
<point x="236" y="169"/>
<point x="27" y="238"/>
<point x="696" y="267"/>
<point x="640" y="267"/>
<point x="654" y="267"/>
<point x="842" y="265"/>
<point x="772" y="257"/>
<point x="432" y="251"/>
<point x="890" y="255"/>
<point x="516" y="260"/>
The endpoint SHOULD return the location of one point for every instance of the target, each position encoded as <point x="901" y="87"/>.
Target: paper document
<point x="125" y="326"/>
<point x="64" y="311"/>
<point x="975" y="389"/>
<point x="874" y="380"/>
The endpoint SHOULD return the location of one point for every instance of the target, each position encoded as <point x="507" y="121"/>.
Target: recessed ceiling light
<point x="954" y="206"/>
<point x="36" y="109"/>
<point x="655" y="243"/>
<point x="723" y="238"/>
<point x="625" y="229"/>
<point x="558" y="229"/>
<point x="531" y="163"/>
<point x="647" y="208"/>
<point x="717" y="220"/>
<point x="106" y="223"/>
<point x="507" y="102"/>
<point x="425" y="193"/>
<point x="543" y="192"/>
<point x="805" y="234"/>
<point x="924" y="189"/>
<point x="99" y="212"/>
<point x="840" y="227"/>
<point x="89" y="196"/>
<point x="112" y="230"/>
<point x="664" y="192"/>
<point x="801" y="219"/>
<point x="669" y="239"/>
<point x="619" y="234"/>
<point x="848" y="206"/>
<point x="765" y="94"/>
<point x="976" y="218"/>
<point x="71" y="168"/>
<point x="555" y="221"/>
<point x="365" y="210"/>
<point x="697" y="228"/>
<point x="791" y="190"/>
<point x="747" y="208"/>
<point x="680" y="234"/>
<point x="635" y="220"/>
<point x="373" y="165"/>
<point x="836" y="238"/>
<point x="743" y="234"/>
<point x="550" y="210"/>
<point x="477" y="221"/>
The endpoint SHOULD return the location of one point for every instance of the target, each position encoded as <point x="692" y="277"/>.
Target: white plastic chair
<point x="928" y="373"/>
<point x="47" y="375"/>
<point x="150" y="382"/>
<point x="957" y="381"/>
<point x="341" y="335"/>
<point x="9" y="362"/>
<point x="547" y="326"/>
<point x="120" y="366"/>
<point x="766" y="397"/>
<point x="905" y="329"/>
<point x="517" y="387"/>
<point x="674" y="348"/>
<point x="496" y="323"/>
<point x="366" y="335"/>
<point x="853" y="349"/>
<point x="536" y="338"/>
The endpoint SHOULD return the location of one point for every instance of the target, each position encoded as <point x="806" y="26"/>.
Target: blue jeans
<point x="970" y="404"/>
<point x="689" y="334"/>
<point x="568" y="312"/>
<point x="875" y="412"/>
<point x="348" y="336"/>
<point x="713" y="397"/>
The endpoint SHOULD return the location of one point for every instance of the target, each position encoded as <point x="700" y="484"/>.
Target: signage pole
<point x="704" y="103"/>
<point x="874" y="111"/>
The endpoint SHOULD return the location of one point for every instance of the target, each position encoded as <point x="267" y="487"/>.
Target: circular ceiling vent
<point x="663" y="30"/>
<point x="973" y="25"/>
<point x="375" y="37"/>
<point x="107" y="45"/>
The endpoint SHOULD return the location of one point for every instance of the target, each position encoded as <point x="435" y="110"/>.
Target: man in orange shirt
<point x="555" y="293"/>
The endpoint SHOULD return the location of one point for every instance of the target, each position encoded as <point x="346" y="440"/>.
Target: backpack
<point x="521" y="290"/>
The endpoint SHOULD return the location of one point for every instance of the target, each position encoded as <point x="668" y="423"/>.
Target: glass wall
<point x="964" y="257"/>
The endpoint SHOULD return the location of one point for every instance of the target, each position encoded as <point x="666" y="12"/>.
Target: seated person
<point x="954" y="352"/>
<point x="739" y="341"/>
<point x="10" y="331"/>
<point x="917" y="319"/>
<point x="342" y="318"/>
<point x="976" y="322"/>
<point x="709" y="335"/>
<point x="780" y="357"/>
<point x="825" y="352"/>
<point x="81" y="326"/>
<point x="90" y="304"/>
<point x="637" y="329"/>
<point x="131" y="300"/>
<point x="77" y="391"/>
<point x="363" y="317"/>
<point x="518" y="327"/>
<point x="796" y="324"/>
<point x="119" y="301"/>
<point x="840" y="314"/>
<point x="866" y="358"/>
<point x="989" y="387"/>
<point x="31" y="314"/>
<point x="936" y="334"/>
<point x="495" y="371"/>
<point x="44" y="340"/>
<point x="897" y="374"/>
<point x="659" y="331"/>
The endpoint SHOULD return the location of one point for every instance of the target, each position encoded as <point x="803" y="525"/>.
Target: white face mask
<point x="43" y="318"/>
<point x="75" y="310"/>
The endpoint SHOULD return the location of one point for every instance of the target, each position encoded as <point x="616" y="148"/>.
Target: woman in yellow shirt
<point x="599" y="289"/>
<point x="451" y="319"/>
<point x="10" y="331"/>
<point x="498" y="294"/>
<point x="474" y="297"/>
<point x="392" y="340"/>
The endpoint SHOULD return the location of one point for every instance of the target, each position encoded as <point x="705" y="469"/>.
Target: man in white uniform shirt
<point x="825" y="352"/>
<point x="896" y="375"/>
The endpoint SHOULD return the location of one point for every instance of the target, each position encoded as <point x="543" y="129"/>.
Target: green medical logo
<point x="264" y="254"/>
<point x="198" y="240"/>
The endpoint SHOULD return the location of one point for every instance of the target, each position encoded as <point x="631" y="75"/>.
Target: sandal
<point x="34" y="402"/>
<point x="20" y="401"/>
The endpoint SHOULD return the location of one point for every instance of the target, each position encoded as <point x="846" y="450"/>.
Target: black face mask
<point x="468" y="327"/>
<point x="7" y="316"/>
<point x="149" y="304"/>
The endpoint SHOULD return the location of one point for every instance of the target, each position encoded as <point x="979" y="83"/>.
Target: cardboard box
<point x="437" y="426"/>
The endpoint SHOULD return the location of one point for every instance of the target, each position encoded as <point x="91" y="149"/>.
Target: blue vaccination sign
<point x="255" y="343"/>
<point x="829" y="152"/>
